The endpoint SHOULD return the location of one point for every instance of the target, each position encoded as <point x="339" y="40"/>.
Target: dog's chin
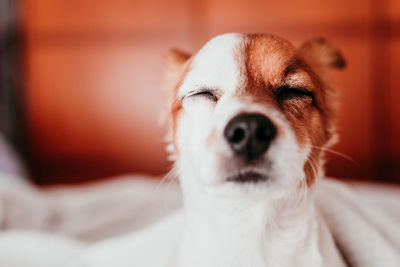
<point x="247" y="176"/>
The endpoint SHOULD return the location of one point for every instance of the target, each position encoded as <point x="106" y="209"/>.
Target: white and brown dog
<point x="251" y="117"/>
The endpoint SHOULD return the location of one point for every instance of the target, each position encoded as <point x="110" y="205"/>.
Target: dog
<point x="251" y="116"/>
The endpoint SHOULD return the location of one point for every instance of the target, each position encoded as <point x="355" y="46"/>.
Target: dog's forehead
<point x="227" y="60"/>
<point x="268" y="57"/>
<point x="216" y="64"/>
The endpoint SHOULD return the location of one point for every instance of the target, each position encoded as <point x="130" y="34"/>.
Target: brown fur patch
<point x="323" y="53"/>
<point x="269" y="62"/>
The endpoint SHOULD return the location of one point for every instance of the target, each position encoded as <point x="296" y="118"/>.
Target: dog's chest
<point x="245" y="254"/>
<point x="247" y="244"/>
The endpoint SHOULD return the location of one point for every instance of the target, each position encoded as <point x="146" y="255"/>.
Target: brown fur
<point x="323" y="53"/>
<point x="269" y="62"/>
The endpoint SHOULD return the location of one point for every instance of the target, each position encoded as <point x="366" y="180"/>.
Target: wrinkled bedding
<point x="90" y="212"/>
<point x="364" y="220"/>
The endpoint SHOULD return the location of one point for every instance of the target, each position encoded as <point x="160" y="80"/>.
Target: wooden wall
<point x="94" y="73"/>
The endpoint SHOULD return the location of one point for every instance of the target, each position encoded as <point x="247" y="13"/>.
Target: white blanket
<point x="91" y="212"/>
<point x="364" y="220"/>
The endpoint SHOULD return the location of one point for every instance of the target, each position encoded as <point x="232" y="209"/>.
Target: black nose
<point x="249" y="135"/>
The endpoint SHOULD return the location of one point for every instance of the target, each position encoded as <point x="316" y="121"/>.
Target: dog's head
<point x="251" y="113"/>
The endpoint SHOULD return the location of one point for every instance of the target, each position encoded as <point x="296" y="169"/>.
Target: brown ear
<point x="177" y="57"/>
<point x="323" y="54"/>
<point x="174" y="61"/>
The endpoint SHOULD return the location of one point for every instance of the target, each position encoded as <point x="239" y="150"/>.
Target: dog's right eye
<point x="287" y="93"/>
<point x="208" y="94"/>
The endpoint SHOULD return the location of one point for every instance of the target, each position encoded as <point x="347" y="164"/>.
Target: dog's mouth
<point x="247" y="176"/>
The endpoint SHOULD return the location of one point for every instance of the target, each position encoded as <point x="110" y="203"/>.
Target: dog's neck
<point x="237" y="232"/>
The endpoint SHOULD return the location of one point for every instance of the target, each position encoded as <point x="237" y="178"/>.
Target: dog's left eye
<point x="208" y="94"/>
<point x="287" y="93"/>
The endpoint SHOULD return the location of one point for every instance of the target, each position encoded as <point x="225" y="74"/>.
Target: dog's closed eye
<point x="208" y="94"/>
<point x="288" y="93"/>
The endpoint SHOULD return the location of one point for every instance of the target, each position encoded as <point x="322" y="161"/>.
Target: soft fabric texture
<point x="22" y="248"/>
<point x="90" y="212"/>
<point x="364" y="222"/>
<point x="53" y="226"/>
<point x="363" y="219"/>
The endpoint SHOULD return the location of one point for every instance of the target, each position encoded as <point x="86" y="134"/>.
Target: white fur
<point x="271" y="223"/>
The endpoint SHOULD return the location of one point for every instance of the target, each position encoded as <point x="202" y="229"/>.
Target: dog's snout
<point x="249" y="135"/>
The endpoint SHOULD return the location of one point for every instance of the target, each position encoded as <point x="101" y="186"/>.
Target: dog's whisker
<point x="314" y="168"/>
<point x="304" y="188"/>
<point x="337" y="153"/>
<point x="172" y="179"/>
<point x="302" y="192"/>
<point x="171" y="176"/>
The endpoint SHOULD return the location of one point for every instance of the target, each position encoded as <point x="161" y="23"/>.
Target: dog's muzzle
<point x="249" y="135"/>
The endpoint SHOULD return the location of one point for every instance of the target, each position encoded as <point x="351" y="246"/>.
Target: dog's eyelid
<point x="285" y="93"/>
<point x="286" y="87"/>
<point x="211" y="92"/>
<point x="202" y="90"/>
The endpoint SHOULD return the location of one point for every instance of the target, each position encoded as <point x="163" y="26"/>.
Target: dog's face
<point x="251" y="113"/>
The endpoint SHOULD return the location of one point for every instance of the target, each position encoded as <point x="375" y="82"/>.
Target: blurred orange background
<point x="93" y="77"/>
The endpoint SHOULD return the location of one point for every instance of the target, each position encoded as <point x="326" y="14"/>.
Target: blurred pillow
<point x="9" y="162"/>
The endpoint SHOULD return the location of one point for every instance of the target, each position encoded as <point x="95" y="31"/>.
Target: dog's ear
<point x="174" y="61"/>
<point x="176" y="58"/>
<point x="323" y="54"/>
